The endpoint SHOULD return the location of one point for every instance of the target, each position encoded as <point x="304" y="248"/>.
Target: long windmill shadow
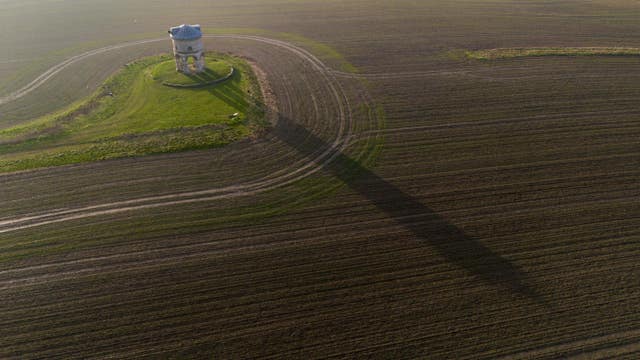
<point x="425" y="224"/>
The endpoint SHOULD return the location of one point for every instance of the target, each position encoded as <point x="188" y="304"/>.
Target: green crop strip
<point x="510" y="53"/>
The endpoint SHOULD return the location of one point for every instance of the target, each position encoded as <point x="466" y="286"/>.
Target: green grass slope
<point x="216" y="70"/>
<point x="134" y="114"/>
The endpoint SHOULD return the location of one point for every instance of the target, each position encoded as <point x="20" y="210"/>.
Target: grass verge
<point x="509" y="53"/>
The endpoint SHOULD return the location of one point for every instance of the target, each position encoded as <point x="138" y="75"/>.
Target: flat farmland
<point x="407" y="202"/>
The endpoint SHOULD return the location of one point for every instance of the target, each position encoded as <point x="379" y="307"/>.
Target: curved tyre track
<point x="294" y="172"/>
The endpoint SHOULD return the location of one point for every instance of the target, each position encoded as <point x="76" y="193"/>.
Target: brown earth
<point x="499" y="219"/>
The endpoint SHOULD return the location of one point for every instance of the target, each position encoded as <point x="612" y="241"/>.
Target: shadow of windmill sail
<point x="425" y="224"/>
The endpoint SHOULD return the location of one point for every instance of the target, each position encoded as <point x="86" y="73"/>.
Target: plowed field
<point x="408" y="201"/>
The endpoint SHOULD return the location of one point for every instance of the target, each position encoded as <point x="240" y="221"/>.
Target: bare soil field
<point x="408" y="202"/>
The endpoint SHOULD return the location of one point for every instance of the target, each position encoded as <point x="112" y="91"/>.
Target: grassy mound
<point x="216" y="69"/>
<point x="134" y="114"/>
<point x="495" y="54"/>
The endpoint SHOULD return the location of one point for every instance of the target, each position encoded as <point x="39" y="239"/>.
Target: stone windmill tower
<point x="187" y="43"/>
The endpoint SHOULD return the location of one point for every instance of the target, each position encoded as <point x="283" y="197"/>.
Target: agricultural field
<point x="438" y="180"/>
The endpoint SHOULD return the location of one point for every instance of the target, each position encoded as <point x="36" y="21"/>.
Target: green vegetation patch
<point x="495" y="54"/>
<point x="134" y="114"/>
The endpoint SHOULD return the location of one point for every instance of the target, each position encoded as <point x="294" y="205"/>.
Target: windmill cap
<point x="185" y="32"/>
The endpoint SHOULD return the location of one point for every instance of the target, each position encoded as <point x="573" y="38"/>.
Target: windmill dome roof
<point x="185" y="32"/>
